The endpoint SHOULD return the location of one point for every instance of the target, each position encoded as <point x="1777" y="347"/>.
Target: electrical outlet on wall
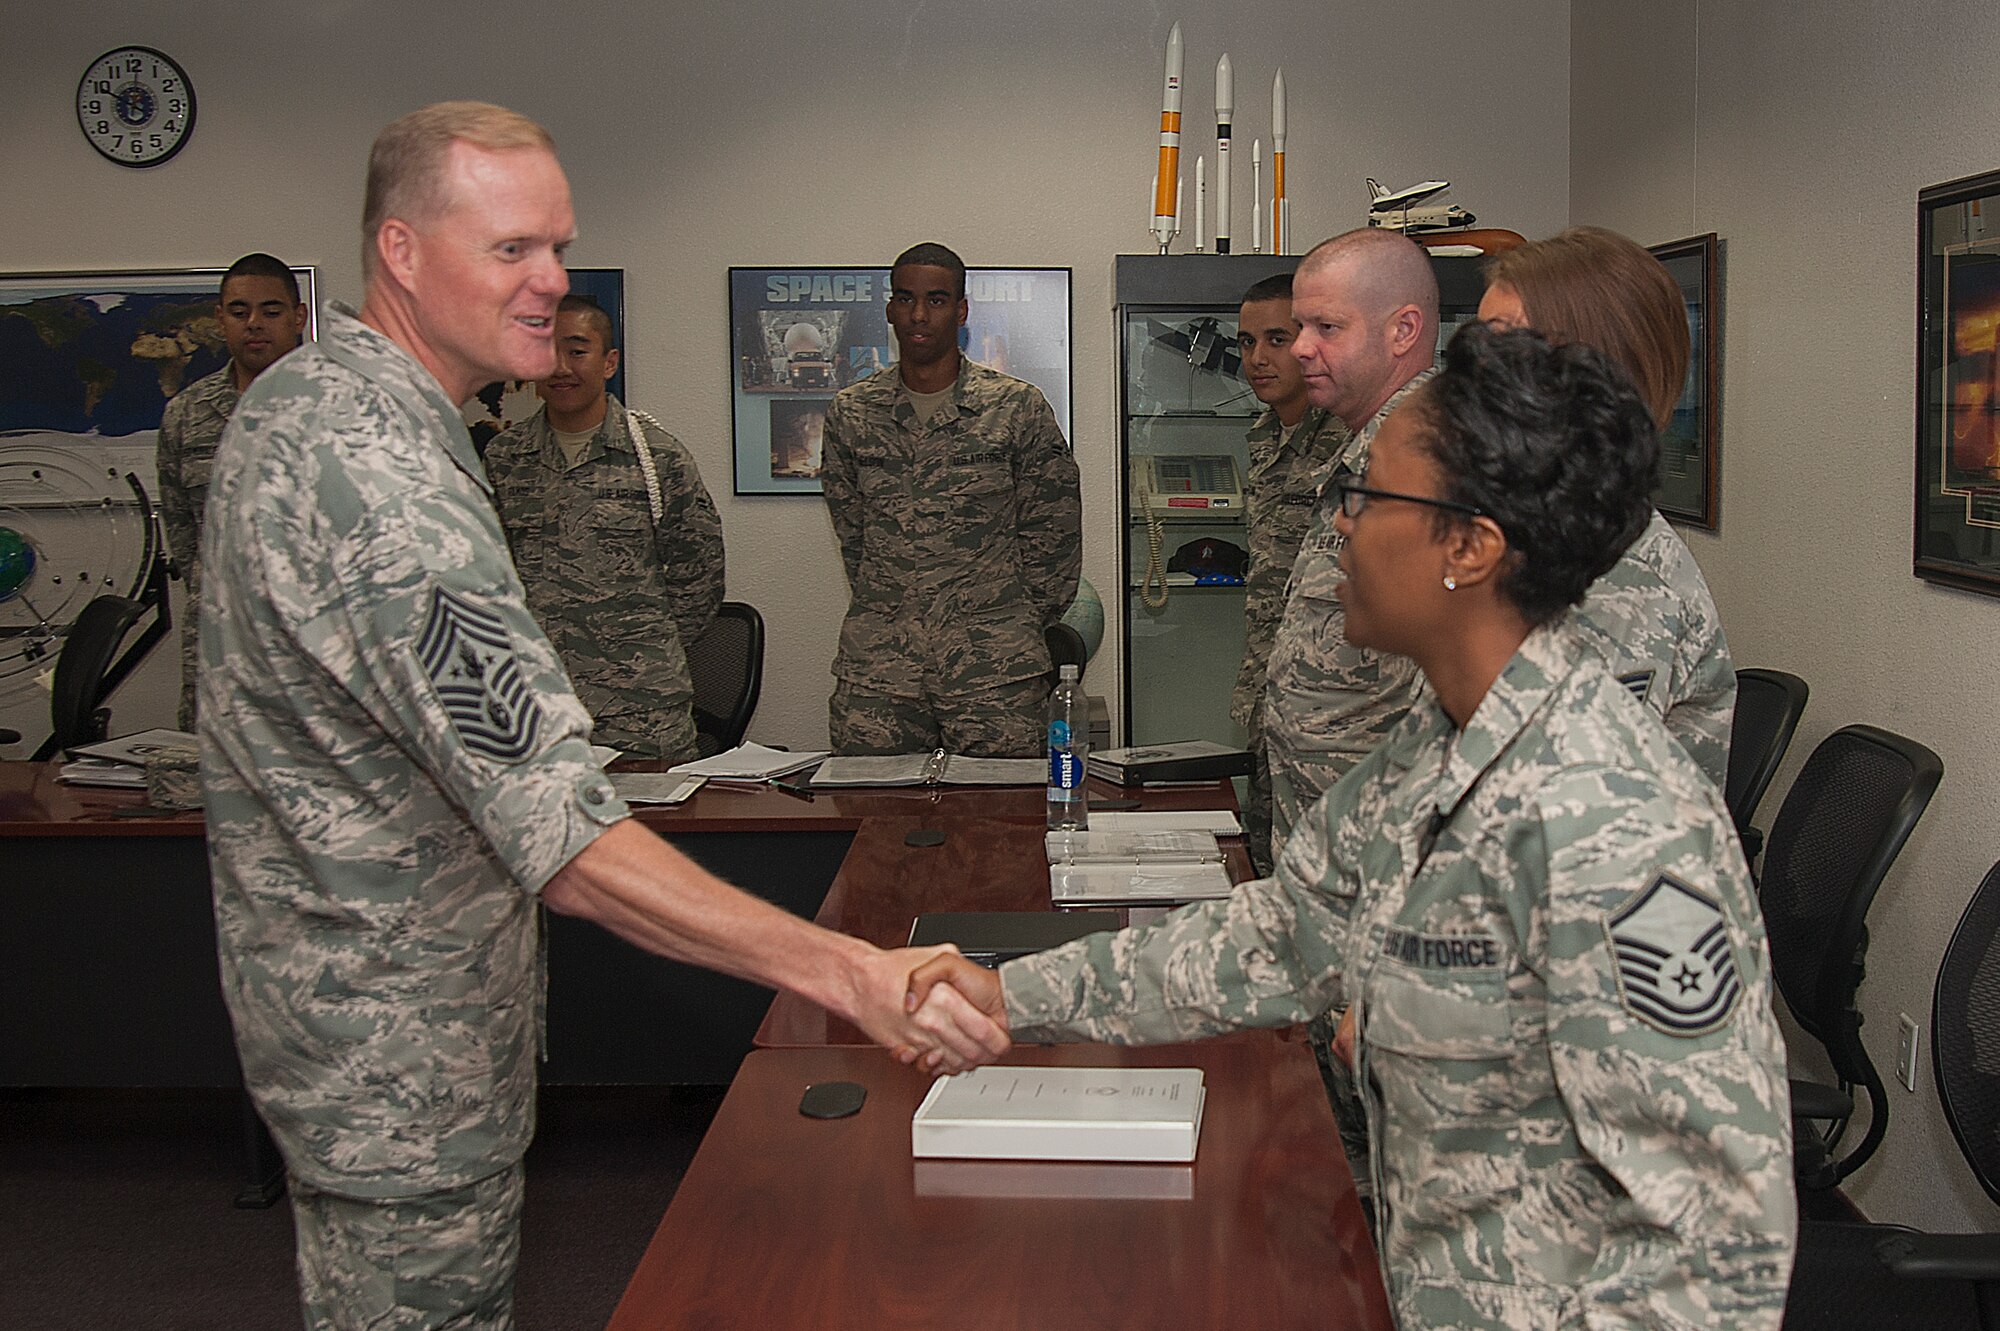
<point x="1906" y="1051"/>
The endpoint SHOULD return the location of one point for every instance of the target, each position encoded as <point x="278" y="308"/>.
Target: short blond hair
<point x="406" y="172"/>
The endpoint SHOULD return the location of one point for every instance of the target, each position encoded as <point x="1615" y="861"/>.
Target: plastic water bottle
<point x="1069" y="748"/>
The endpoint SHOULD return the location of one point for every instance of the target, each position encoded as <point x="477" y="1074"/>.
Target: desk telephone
<point x="1180" y="487"/>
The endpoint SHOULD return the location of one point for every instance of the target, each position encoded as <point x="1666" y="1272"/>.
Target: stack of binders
<point x="1164" y="764"/>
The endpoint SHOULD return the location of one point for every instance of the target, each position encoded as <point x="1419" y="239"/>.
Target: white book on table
<point x="1036" y="1113"/>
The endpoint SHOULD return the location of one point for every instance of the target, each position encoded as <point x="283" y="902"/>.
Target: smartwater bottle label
<point x="1065" y="771"/>
<point x="1058" y="734"/>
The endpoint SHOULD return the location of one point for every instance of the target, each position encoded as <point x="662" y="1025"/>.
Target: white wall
<point x="1803" y="142"/>
<point x="702" y="136"/>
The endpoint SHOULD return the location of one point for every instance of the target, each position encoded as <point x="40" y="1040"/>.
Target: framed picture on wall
<point x="1957" y="517"/>
<point x="88" y="363"/>
<point x="98" y="355"/>
<point x="800" y="335"/>
<point x="511" y="401"/>
<point x="1689" y="488"/>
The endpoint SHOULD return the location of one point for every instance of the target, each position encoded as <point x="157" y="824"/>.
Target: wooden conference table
<point x="788" y="1222"/>
<point x="107" y="936"/>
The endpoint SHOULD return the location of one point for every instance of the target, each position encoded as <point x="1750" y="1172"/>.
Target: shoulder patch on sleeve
<point x="1639" y="683"/>
<point x="470" y="659"/>
<point x="1676" y="969"/>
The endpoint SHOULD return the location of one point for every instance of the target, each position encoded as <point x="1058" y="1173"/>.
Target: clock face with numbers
<point x="136" y="106"/>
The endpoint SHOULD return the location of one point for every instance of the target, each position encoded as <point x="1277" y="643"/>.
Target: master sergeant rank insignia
<point x="1676" y="970"/>
<point x="470" y="659"/>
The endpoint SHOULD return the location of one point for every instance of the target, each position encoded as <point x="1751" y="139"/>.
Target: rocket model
<point x="1225" y="108"/>
<point x="1166" y="186"/>
<point x="1200" y="198"/>
<point x="1280" y="209"/>
<point x="1256" y="196"/>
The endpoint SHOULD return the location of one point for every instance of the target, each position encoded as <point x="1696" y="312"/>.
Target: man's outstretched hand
<point x="950" y="994"/>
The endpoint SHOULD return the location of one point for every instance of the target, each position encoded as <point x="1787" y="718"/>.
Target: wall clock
<point x="135" y="105"/>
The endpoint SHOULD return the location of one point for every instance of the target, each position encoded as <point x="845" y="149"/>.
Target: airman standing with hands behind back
<point x="262" y="319"/>
<point x="1292" y="445"/>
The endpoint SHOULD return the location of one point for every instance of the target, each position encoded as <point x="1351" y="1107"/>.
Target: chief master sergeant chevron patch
<point x="469" y="657"/>
<point x="1676" y="971"/>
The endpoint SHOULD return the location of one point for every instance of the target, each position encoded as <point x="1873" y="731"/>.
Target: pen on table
<point x="795" y="791"/>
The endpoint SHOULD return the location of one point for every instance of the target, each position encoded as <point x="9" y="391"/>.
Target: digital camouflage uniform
<point x="1657" y="626"/>
<point x="1575" y="1078"/>
<point x="619" y="595"/>
<point x="1327" y="703"/>
<point x="189" y="432"/>
<point x="1285" y="475"/>
<point x="393" y="766"/>
<point x="962" y="538"/>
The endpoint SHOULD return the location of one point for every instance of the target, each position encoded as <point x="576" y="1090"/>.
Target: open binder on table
<point x="936" y="768"/>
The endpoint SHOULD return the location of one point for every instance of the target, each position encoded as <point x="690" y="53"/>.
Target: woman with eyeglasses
<point x="1530" y="896"/>
<point x="1651" y="612"/>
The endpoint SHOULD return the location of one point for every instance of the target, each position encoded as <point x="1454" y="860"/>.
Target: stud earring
<point x="1450" y="583"/>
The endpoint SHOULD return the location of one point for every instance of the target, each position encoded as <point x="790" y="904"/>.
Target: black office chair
<point x="86" y="675"/>
<point x="1768" y="704"/>
<point x="1066" y="647"/>
<point x="1840" y="828"/>
<point x="726" y="665"/>
<point x="1853" y="1275"/>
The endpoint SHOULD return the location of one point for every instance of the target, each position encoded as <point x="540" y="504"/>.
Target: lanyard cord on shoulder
<point x="634" y="419"/>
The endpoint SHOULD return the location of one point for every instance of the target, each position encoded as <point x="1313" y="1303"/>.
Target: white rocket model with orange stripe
<point x="1166" y="185"/>
<point x="1280" y="206"/>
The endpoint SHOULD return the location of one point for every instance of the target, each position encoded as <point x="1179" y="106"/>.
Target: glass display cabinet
<point x="1184" y="409"/>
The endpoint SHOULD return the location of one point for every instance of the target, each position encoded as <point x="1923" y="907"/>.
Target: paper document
<point x="1145" y="847"/>
<point x="1136" y="884"/>
<point x="937" y="768"/>
<point x="102" y="772"/>
<point x="655" y="787"/>
<point x="136" y="749"/>
<point x="750" y="762"/>
<point x="1219" y="821"/>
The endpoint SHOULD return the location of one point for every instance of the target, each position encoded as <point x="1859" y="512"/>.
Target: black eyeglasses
<point x="1354" y="498"/>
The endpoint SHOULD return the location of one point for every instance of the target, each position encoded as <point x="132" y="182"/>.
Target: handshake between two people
<point x="954" y="1015"/>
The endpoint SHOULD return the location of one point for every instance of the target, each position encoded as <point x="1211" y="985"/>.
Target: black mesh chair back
<point x="1841" y="826"/>
<point x="1889" y="1276"/>
<point x="82" y="668"/>
<point x="1768" y="705"/>
<point x="1066" y="647"/>
<point x="1965" y="1033"/>
<point x="726" y="665"/>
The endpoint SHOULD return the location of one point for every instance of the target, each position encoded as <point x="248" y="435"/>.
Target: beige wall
<point x="1803" y="142"/>
<point x="702" y="136"/>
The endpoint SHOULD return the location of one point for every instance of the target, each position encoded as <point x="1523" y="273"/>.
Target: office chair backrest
<point x="1768" y="704"/>
<point x="88" y="650"/>
<point x="1066" y="647"/>
<point x="1841" y="826"/>
<point x="1965" y="1033"/>
<point x="726" y="665"/>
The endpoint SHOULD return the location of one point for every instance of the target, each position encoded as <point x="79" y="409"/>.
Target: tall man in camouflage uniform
<point x="1291" y="446"/>
<point x="395" y="769"/>
<point x="954" y="497"/>
<point x="1531" y="895"/>
<point x="620" y="553"/>
<point x="262" y="318"/>
<point x="1367" y="306"/>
